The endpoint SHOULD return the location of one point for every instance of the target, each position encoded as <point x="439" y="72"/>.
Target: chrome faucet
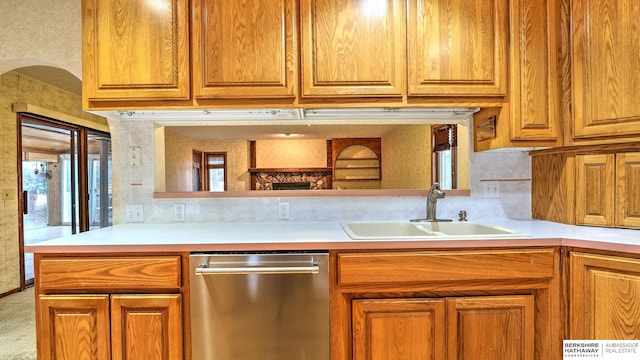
<point x="432" y="201"/>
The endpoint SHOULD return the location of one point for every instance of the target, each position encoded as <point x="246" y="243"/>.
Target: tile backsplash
<point x="512" y="169"/>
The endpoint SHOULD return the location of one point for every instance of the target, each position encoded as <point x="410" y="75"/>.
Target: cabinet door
<point x="495" y="327"/>
<point x="135" y="50"/>
<point x="244" y="49"/>
<point x="594" y="189"/>
<point x="604" y="299"/>
<point x="353" y="48"/>
<point x="457" y="47"/>
<point x="400" y="329"/>
<point x="628" y="190"/>
<point x="534" y="67"/>
<point x="605" y="59"/>
<point x="146" y="327"/>
<point x="73" y="327"/>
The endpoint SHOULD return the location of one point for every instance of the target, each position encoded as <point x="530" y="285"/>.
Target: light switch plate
<point x="491" y="189"/>
<point x="134" y="213"/>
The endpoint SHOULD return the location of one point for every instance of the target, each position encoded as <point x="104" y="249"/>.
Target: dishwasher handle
<point x="262" y="270"/>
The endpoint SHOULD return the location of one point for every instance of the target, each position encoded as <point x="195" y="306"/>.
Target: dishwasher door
<point x="267" y="306"/>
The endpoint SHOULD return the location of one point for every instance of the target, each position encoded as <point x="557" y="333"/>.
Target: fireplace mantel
<point x="264" y="178"/>
<point x="289" y="170"/>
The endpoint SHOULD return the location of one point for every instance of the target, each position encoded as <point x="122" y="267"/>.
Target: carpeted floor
<point x="18" y="326"/>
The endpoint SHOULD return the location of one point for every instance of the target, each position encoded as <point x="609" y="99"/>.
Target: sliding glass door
<point x="65" y="182"/>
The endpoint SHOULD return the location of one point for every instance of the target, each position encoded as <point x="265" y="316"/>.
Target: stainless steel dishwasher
<point x="267" y="306"/>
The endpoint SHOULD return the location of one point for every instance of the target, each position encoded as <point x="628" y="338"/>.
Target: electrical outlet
<point x="179" y="212"/>
<point x="134" y="213"/>
<point x="491" y="189"/>
<point x="283" y="210"/>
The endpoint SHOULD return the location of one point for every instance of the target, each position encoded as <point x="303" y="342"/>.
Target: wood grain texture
<point x="605" y="293"/>
<point x="534" y="70"/>
<point x="444" y="266"/>
<point x="595" y="192"/>
<point x="245" y="49"/>
<point x="553" y="187"/>
<point x="495" y="327"/>
<point x="605" y="61"/>
<point x="628" y="190"/>
<point x="353" y="48"/>
<point x="146" y="327"/>
<point x="135" y="50"/>
<point x="399" y="329"/>
<point x="457" y="47"/>
<point x="73" y="327"/>
<point x="121" y="273"/>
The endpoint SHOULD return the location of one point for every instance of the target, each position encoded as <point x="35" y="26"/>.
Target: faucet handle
<point x="462" y="215"/>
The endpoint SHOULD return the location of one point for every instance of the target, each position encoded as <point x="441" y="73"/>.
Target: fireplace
<point x="290" y="179"/>
<point x="298" y="185"/>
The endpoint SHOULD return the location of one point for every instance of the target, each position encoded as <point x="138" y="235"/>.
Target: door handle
<point x="264" y="270"/>
<point x="25" y="202"/>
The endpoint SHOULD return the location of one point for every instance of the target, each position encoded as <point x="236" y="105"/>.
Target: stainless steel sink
<point x="388" y="230"/>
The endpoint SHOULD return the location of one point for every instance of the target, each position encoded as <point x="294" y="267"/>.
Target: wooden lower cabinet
<point x="398" y="329"/>
<point x="110" y="327"/>
<point x="604" y="297"/>
<point x="491" y="327"/>
<point x="447" y="305"/>
<point x="110" y="306"/>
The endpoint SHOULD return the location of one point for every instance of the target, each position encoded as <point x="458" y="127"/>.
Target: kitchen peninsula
<point x="517" y="285"/>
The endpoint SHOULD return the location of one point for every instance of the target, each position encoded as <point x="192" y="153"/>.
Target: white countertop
<point x="195" y="237"/>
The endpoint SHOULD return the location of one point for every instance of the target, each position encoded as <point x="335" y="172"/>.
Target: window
<point x="215" y="175"/>
<point x="445" y="144"/>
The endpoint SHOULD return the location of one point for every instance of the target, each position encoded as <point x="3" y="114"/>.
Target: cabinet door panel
<point x="398" y="329"/>
<point x="496" y="327"/>
<point x="146" y="327"/>
<point x="135" y="50"/>
<point x="73" y="327"/>
<point x="534" y="85"/>
<point x="605" y="297"/>
<point x="244" y="49"/>
<point x="353" y="48"/>
<point x="457" y="47"/>
<point x="605" y="63"/>
<point x="594" y="189"/>
<point x="628" y="190"/>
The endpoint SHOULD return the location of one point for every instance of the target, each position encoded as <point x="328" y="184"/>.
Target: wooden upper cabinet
<point x="595" y="189"/>
<point x="135" y="50"/>
<point x="244" y="49"/>
<point x="628" y="190"/>
<point x="605" y="60"/>
<point x="353" y="48"/>
<point x="534" y="70"/>
<point x="457" y="48"/>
